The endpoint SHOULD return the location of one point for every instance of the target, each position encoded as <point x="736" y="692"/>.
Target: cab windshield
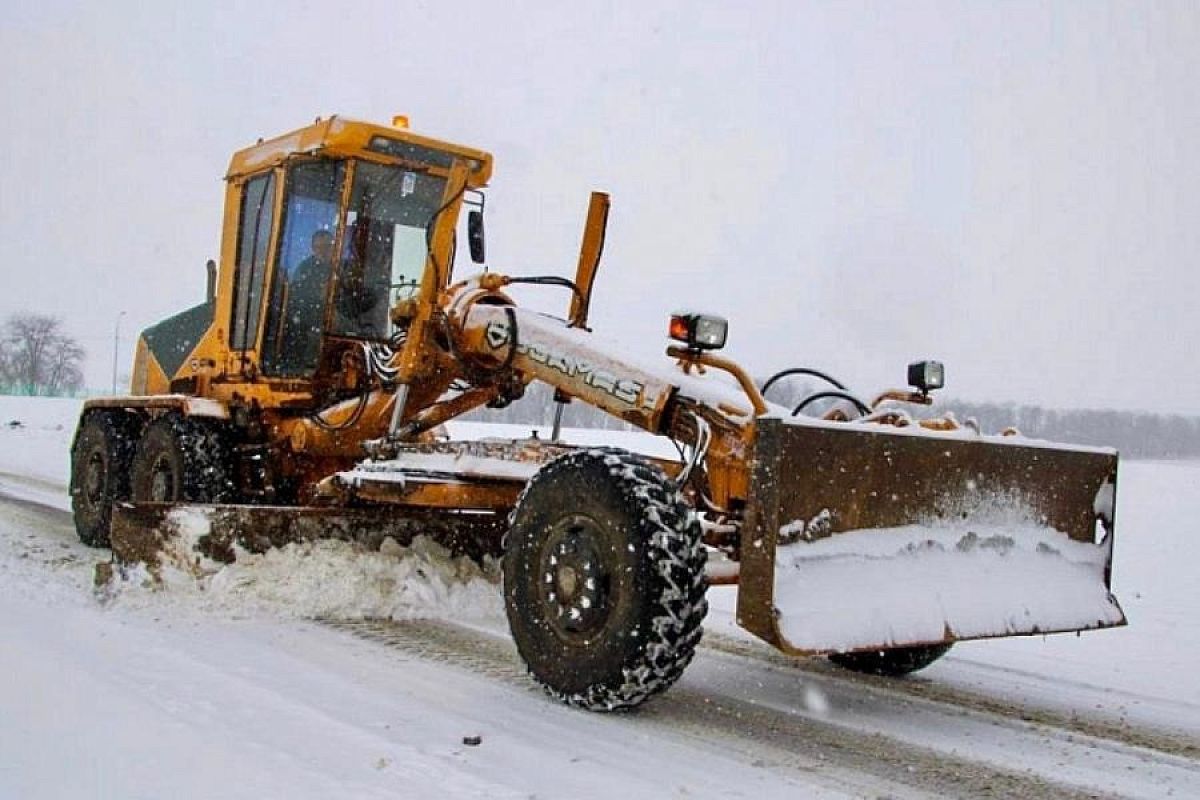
<point x="383" y="246"/>
<point x="381" y="256"/>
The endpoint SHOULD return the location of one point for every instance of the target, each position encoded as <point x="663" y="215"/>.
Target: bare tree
<point x="37" y="357"/>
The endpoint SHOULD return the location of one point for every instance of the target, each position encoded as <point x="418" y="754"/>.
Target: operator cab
<point x="340" y="270"/>
<point x="336" y="224"/>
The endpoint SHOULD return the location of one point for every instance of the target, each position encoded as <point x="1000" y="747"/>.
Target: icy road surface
<point x="228" y="687"/>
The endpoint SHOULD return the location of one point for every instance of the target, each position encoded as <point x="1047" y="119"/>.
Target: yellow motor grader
<point x="306" y="397"/>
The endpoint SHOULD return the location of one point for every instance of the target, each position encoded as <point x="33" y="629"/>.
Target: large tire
<point x="182" y="460"/>
<point x="604" y="579"/>
<point x="100" y="461"/>
<point x="893" y="662"/>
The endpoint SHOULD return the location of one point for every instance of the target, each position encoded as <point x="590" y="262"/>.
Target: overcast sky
<point x="1011" y="188"/>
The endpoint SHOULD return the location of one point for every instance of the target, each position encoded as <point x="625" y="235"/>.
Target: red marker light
<point x="678" y="329"/>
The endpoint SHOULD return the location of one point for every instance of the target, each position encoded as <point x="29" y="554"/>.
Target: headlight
<point x="699" y="331"/>
<point x="926" y="376"/>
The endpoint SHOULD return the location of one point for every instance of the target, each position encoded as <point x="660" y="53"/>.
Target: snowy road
<point x="232" y="688"/>
<point x="379" y="709"/>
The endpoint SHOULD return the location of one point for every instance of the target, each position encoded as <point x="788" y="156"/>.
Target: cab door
<point x="252" y="263"/>
<point x="304" y="267"/>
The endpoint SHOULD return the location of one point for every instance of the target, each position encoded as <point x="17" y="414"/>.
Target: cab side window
<point x="254" y="246"/>
<point x="304" y="265"/>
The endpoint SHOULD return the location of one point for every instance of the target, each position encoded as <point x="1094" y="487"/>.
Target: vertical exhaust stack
<point x="590" y="250"/>
<point x="211" y="291"/>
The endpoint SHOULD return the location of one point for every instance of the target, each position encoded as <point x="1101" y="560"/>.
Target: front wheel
<point x="604" y="579"/>
<point x="892" y="662"/>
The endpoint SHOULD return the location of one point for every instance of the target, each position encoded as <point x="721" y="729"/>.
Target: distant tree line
<point x="38" y="358"/>
<point x="537" y="408"/>
<point x="1136" y="434"/>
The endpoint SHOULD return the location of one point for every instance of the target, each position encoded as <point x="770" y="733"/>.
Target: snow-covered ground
<point x="238" y="684"/>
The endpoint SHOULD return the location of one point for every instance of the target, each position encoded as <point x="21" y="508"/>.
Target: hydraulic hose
<point x="859" y="404"/>
<point x="801" y="371"/>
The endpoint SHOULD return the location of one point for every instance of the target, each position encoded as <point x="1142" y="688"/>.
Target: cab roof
<point x="342" y="137"/>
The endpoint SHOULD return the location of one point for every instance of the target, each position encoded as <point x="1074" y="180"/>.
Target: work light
<point x="699" y="331"/>
<point x="926" y="376"/>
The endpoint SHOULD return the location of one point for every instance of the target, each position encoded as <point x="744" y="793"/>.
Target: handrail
<point x="724" y="364"/>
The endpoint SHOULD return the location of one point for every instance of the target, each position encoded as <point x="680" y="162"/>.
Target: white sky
<point x="1012" y="188"/>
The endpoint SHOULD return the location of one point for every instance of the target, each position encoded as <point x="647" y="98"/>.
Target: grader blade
<point x="144" y="532"/>
<point x="868" y="537"/>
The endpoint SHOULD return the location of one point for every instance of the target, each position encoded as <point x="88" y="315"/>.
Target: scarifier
<point x="305" y="399"/>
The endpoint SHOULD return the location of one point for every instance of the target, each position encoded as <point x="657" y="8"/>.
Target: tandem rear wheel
<point x="117" y="457"/>
<point x="182" y="459"/>
<point x="100" y="459"/>
<point x="892" y="662"/>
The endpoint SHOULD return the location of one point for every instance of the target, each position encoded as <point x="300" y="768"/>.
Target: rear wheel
<point x="604" y="579"/>
<point x="181" y="459"/>
<point x="100" y="472"/>
<point x="893" y="662"/>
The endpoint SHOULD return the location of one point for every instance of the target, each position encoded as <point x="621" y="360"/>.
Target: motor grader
<point x="306" y="397"/>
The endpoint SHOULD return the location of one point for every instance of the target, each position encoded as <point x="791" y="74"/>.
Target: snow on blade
<point x="914" y="584"/>
<point x="1105" y="500"/>
<point x="963" y="433"/>
<point x="413" y="466"/>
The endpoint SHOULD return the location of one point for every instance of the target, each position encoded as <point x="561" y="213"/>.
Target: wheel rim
<point x="94" y="474"/>
<point x="162" y="480"/>
<point x="575" y="579"/>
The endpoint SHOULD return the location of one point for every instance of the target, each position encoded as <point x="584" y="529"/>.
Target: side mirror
<point x="475" y="236"/>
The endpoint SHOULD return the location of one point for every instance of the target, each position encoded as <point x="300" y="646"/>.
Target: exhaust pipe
<point x="211" y="292"/>
<point x="590" y="250"/>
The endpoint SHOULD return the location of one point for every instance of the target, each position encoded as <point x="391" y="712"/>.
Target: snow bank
<point x="325" y="579"/>
<point x="35" y="436"/>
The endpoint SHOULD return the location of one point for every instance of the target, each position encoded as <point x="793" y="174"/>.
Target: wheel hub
<point x="575" y="579"/>
<point x="162" y="482"/>
<point x="567" y="581"/>
<point x="93" y="478"/>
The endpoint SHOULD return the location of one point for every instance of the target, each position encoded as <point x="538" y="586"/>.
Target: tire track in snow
<point x="11" y="495"/>
<point x="1124" y="734"/>
<point x="50" y="537"/>
<point x="770" y="737"/>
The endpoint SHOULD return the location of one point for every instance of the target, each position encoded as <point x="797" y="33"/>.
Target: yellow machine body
<point x="854" y="532"/>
